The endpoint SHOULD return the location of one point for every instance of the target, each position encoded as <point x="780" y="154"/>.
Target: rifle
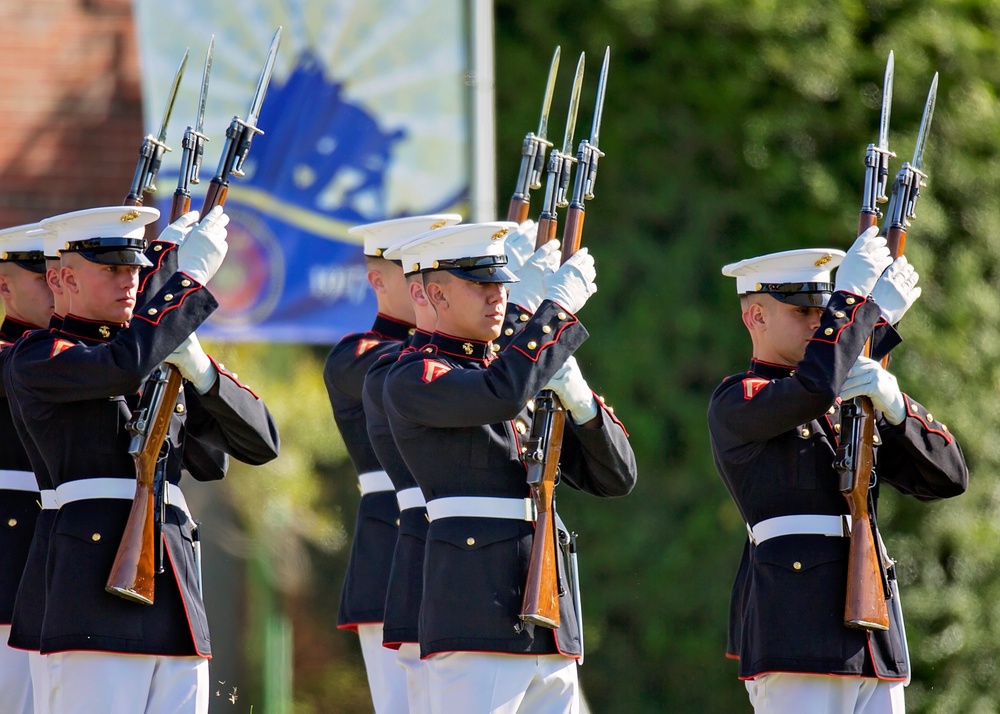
<point x="542" y="588"/>
<point x="867" y="586"/>
<point x="140" y="553"/>
<point x="533" y="153"/>
<point x="153" y="148"/>
<point x="193" y="147"/>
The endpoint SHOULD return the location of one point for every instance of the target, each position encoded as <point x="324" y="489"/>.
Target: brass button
<point x="509" y="331"/>
<point x="524" y="449"/>
<point x="152" y="311"/>
<point x="470" y="541"/>
<point x="12" y="522"/>
<point x="611" y="410"/>
<point x="96" y="537"/>
<point x="831" y="410"/>
<point x="836" y="428"/>
<point x="806" y="432"/>
<point x="850" y="301"/>
<point x="797" y="565"/>
<point x="521" y="427"/>
<point x="531" y="405"/>
<point x="523" y="317"/>
<point x="828" y="331"/>
<point x="494" y="347"/>
<point x="185" y="283"/>
<point x="168" y="297"/>
<point x="930" y="417"/>
<point x="397" y="521"/>
<point x="840" y="314"/>
<point x="546" y="329"/>
<point x="600" y="398"/>
<point x="561" y="315"/>
<point x="412" y="331"/>
<point x="532" y="345"/>
<point x="945" y="427"/>
<point x="179" y="409"/>
<point x="875" y="439"/>
<point x="157" y="248"/>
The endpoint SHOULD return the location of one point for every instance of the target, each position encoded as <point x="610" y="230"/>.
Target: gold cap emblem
<point x="500" y="234"/>
<point x="439" y="224"/>
<point x="467" y="348"/>
<point x="823" y="261"/>
<point x="104" y="331"/>
<point x="130" y="216"/>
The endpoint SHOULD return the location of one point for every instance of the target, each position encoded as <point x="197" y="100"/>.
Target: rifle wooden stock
<point x="572" y="231"/>
<point x="133" y="573"/>
<point x="541" y="589"/>
<point x="179" y="205"/>
<point x="215" y="196"/>
<point x="546" y="230"/>
<point x="865" y="606"/>
<point x="517" y="211"/>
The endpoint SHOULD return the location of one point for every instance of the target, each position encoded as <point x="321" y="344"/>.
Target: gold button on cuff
<point x="152" y="311"/>
<point x="397" y="521"/>
<point x="532" y="345"/>
<point x="806" y="432"/>
<point x="840" y="314"/>
<point x="494" y="347"/>
<point x="828" y="331"/>
<point x="875" y="439"/>
<point x="930" y="417"/>
<point x="470" y="541"/>
<point x="523" y="317"/>
<point x="850" y="301"/>
<point x="412" y="331"/>
<point x="96" y="537"/>
<point x="546" y="329"/>
<point x="797" y="565"/>
<point x="524" y="449"/>
<point x="509" y="331"/>
<point x="836" y="428"/>
<point x="179" y="409"/>
<point x="12" y="522"/>
<point x="561" y="315"/>
<point x="168" y="297"/>
<point x="157" y="248"/>
<point x="185" y="283"/>
<point x="831" y="410"/>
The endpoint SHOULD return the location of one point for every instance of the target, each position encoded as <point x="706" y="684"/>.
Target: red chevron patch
<point x="752" y="385"/>
<point x="433" y="370"/>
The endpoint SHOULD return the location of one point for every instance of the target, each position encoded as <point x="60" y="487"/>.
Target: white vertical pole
<point x="482" y="189"/>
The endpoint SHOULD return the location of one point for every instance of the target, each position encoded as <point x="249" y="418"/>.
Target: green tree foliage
<point x="734" y="128"/>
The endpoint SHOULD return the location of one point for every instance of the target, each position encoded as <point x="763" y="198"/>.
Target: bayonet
<point x="154" y="147"/>
<point x="925" y="125"/>
<point x="240" y="134"/>
<point x="533" y="150"/>
<point x="877" y="159"/>
<point x="883" y="125"/>
<point x="560" y="166"/>
<point x="193" y="145"/>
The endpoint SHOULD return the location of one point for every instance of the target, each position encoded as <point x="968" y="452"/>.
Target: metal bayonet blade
<point x="550" y="88"/>
<point x="265" y="79"/>
<point x="925" y="125"/>
<point x="205" y="75"/>
<point x="162" y="135"/>
<point x="574" y="105"/>
<point x="602" y="84"/>
<point x="883" y="126"/>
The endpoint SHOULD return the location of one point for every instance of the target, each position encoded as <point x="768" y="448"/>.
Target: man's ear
<point x="68" y="279"/>
<point x="435" y="295"/>
<point x="5" y="288"/>
<point x="754" y="318"/>
<point x="417" y="293"/>
<point x="376" y="280"/>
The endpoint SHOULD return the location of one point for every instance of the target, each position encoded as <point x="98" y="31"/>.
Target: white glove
<point x="896" y="290"/>
<point x="573" y="283"/>
<point x="570" y="386"/>
<point x="194" y="364"/>
<point x="177" y="231"/>
<point x="863" y="264"/>
<point x="520" y="245"/>
<point x="868" y="378"/>
<point x="528" y="292"/>
<point x="202" y="252"/>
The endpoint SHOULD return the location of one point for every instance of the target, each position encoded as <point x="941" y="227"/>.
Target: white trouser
<point x="789" y="693"/>
<point x="477" y="683"/>
<point x="417" y="685"/>
<point x="15" y="677"/>
<point x="386" y="679"/>
<point x="39" y="682"/>
<point x="107" y="683"/>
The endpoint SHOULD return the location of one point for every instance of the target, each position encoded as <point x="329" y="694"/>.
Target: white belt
<point x="18" y="481"/>
<point x="800" y="524"/>
<point x="124" y="488"/>
<point x="49" y="502"/>
<point x="517" y="509"/>
<point x="410" y="498"/>
<point x="374" y="481"/>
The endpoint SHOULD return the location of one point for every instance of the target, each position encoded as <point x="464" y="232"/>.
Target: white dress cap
<point x="806" y="265"/>
<point x="23" y="245"/>
<point x="383" y="234"/>
<point x="472" y="251"/>
<point x="113" y="235"/>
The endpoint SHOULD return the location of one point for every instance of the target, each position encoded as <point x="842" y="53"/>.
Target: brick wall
<point x="70" y="106"/>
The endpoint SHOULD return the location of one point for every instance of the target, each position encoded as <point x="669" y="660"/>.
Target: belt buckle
<point x="530" y="510"/>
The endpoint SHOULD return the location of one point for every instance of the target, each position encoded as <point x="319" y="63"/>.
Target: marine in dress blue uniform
<point x="457" y="410"/>
<point x="73" y="386"/>
<point x="27" y="306"/>
<point x="362" y="600"/>
<point x="774" y="431"/>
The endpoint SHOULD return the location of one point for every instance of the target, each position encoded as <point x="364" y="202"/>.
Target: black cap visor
<point x="802" y="294"/>
<point x="486" y="269"/>
<point x="32" y="260"/>
<point x="112" y="251"/>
